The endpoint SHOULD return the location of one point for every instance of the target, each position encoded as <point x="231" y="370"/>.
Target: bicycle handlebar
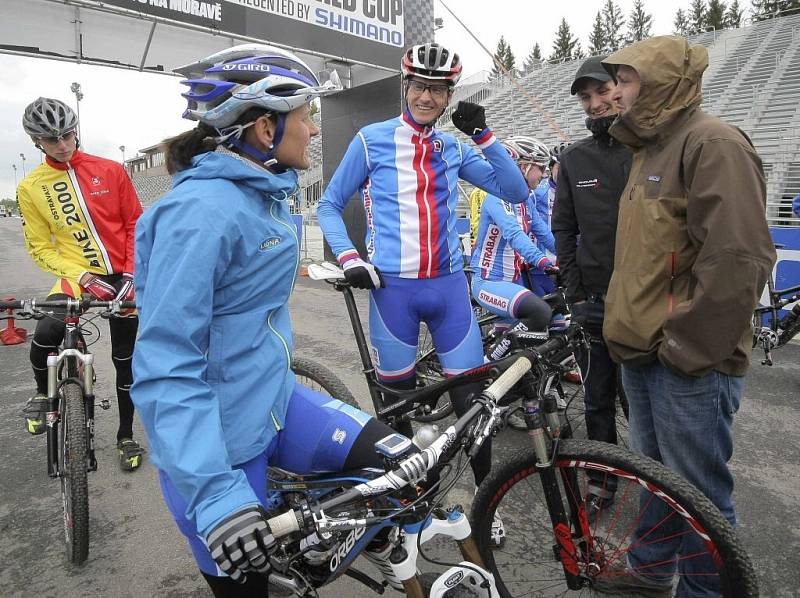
<point x="415" y="466"/>
<point x="32" y="306"/>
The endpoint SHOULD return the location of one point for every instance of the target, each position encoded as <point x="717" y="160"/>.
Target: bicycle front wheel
<point x="317" y="377"/>
<point x="72" y="455"/>
<point x="658" y="527"/>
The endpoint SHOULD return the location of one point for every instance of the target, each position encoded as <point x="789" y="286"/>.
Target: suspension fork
<point x="564" y="549"/>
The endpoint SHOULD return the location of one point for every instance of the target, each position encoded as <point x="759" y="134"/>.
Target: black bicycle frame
<point x="392" y="403"/>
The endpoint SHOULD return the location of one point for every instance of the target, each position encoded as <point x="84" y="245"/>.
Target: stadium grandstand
<point x="753" y="81"/>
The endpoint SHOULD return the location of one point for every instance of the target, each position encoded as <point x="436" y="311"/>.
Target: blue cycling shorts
<point x="395" y="314"/>
<point x="317" y="437"/>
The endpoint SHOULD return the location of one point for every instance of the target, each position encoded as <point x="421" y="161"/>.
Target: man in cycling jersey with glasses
<point x="78" y="215"/>
<point x="407" y="172"/>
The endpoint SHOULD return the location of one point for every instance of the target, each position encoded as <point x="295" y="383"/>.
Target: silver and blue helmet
<point x="226" y="84"/>
<point x="46" y="117"/>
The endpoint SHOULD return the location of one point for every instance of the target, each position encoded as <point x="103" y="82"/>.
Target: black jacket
<point x="592" y="176"/>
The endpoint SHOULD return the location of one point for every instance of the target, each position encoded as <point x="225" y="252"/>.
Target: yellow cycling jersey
<point x="475" y="202"/>
<point x="77" y="217"/>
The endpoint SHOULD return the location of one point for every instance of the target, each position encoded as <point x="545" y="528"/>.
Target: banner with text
<point x="368" y="31"/>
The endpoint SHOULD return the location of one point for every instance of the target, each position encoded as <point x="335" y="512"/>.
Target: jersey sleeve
<point x="541" y="231"/>
<point x="498" y="174"/>
<point x="353" y="170"/>
<point x="37" y="235"/>
<point x="512" y="232"/>
<point x="180" y="260"/>
<point x="130" y="210"/>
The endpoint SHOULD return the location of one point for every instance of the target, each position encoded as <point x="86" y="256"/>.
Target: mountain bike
<point x="322" y="522"/>
<point x="778" y="330"/>
<point x="70" y="409"/>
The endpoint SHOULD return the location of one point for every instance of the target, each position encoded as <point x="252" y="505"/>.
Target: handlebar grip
<point x="10" y="304"/>
<point x="283" y="524"/>
<point x="508" y="379"/>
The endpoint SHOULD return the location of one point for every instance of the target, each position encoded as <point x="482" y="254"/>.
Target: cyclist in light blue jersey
<point x="504" y="244"/>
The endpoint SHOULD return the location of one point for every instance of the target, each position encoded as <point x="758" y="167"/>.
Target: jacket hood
<point x="671" y="73"/>
<point x="224" y="164"/>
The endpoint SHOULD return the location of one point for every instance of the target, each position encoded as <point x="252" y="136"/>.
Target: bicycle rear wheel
<point x="531" y="561"/>
<point x="317" y="377"/>
<point x="72" y="455"/>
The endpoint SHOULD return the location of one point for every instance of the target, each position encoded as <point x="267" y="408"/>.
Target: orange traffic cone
<point x="11" y="335"/>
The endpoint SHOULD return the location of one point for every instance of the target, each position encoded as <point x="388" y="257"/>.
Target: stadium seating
<point x="753" y="81"/>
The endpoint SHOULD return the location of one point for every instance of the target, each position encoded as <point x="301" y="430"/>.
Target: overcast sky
<point x="137" y="110"/>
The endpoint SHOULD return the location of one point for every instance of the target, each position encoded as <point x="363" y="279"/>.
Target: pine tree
<point x="681" y="23"/>
<point x="614" y="22"/>
<point x="639" y="23"/>
<point x="502" y="56"/>
<point x="733" y="18"/>
<point x="577" y="53"/>
<point x="564" y="44"/>
<point x="697" y="17"/>
<point x="597" y="38"/>
<point x="715" y="14"/>
<point x="534" y="59"/>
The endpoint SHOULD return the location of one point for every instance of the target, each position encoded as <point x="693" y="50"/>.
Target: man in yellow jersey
<point x="78" y="216"/>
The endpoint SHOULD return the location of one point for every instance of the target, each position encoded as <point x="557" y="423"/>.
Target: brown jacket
<point x="693" y="250"/>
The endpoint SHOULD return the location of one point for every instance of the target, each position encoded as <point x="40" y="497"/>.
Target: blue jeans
<point x="686" y="423"/>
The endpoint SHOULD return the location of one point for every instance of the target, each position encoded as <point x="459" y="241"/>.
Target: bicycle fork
<point x="471" y="571"/>
<point x="538" y="419"/>
<point x="53" y="403"/>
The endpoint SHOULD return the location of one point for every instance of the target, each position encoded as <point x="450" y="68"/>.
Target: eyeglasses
<point x="437" y="91"/>
<point x="68" y="136"/>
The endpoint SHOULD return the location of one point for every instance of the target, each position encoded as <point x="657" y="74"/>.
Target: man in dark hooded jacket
<point x="693" y="253"/>
<point x="592" y="174"/>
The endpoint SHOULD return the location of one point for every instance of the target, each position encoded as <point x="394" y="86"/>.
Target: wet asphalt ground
<point x="136" y="551"/>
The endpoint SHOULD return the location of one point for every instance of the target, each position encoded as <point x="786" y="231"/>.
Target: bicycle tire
<point x="73" y="448"/>
<point x="317" y="377"/>
<point x="511" y="481"/>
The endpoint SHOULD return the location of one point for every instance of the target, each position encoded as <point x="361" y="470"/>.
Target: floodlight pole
<point x="76" y="89"/>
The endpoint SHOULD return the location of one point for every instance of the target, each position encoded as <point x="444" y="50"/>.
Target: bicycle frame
<point x="325" y="516"/>
<point x="768" y="336"/>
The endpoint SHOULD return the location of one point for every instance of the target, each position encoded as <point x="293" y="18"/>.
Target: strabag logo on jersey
<point x="269" y="243"/>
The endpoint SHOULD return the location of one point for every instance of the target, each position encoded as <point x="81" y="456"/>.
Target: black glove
<point x="362" y="275"/>
<point x="242" y="542"/>
<point x="469" y="118"/>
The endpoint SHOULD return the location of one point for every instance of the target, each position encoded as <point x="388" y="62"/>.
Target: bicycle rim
<point x="73" y="446"/>
<point x="531" y="561"/>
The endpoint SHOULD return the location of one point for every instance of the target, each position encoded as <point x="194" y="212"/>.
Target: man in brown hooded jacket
<point x="693" y="253"/>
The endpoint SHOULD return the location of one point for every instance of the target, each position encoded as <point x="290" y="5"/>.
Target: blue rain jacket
<point x="216" y="261"/>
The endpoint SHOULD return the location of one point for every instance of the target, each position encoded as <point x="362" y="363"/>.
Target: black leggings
<point x="49" y="334"/>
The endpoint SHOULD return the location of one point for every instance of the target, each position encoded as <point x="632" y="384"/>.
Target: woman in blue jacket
<point x="216" y="261"/>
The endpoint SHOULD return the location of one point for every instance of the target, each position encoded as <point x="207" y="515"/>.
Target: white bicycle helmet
<point x="46" y="117"/>
<point x="226" y="84"/>
<point x="527" y="149"/>
<point x="432" y="61"/>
